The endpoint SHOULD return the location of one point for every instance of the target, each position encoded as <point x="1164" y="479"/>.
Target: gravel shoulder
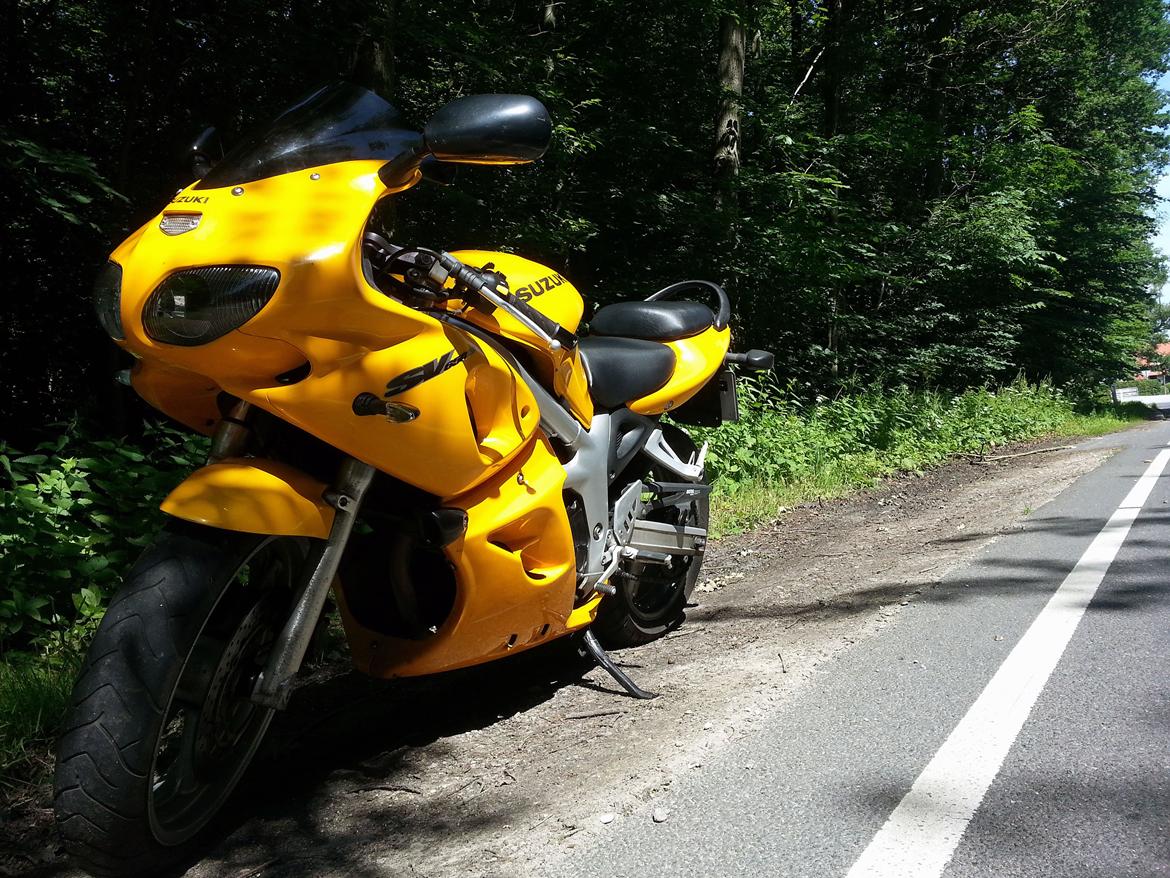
<point x="508" y="768"/>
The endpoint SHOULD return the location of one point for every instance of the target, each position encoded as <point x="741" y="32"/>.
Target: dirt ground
<point x="503" y="769"/>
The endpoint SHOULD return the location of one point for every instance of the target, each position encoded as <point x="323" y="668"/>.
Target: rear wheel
<point x="651" y="598"/>
<point x="160" y="727"/>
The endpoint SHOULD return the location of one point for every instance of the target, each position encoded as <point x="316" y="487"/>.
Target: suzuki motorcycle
<point x="427" y="436"/>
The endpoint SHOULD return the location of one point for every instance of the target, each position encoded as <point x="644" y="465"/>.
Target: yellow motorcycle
<point x="424" y="435"/>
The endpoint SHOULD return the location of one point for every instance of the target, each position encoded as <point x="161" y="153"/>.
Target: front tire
<point x="160" y="728"/>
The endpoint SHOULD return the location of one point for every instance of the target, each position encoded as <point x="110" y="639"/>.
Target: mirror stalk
<point x="400" y="172"/>
<point x="201" y="150"/>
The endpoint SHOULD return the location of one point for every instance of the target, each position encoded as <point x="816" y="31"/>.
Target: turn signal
<point x="177" y="223"/>
<point x="107" y="300"/>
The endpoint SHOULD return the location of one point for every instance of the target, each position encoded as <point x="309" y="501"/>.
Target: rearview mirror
<point x="489" y="130"/>
<point x="475" y="130"/>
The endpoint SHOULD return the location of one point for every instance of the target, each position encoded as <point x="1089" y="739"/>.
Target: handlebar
<point x="487" y="286"/>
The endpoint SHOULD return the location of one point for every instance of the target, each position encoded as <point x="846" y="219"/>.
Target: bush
<point x="781" y="451"/>
<point x="74" y="513"/>
<point x="73" y="516"/>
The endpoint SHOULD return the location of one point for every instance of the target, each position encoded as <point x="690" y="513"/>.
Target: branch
<point x="980" y="459"/>
<point x="807" y="74"/>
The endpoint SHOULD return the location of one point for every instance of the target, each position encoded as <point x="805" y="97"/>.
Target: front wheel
<point x="160" y="728"/>
<point x="650" y="598"/>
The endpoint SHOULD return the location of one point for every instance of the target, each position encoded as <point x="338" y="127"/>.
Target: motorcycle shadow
<point x="349" y="733"/>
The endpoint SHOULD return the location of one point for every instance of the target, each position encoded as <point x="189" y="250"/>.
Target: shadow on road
<point x="1136" y="583"/>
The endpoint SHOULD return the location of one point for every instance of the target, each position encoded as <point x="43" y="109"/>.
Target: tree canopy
<point x="934" y="193"/>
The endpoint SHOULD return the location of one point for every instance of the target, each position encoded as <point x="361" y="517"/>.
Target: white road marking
<point x="920" y="836"/>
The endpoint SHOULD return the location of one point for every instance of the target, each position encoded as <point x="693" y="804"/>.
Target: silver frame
<point x="587" y="472"/>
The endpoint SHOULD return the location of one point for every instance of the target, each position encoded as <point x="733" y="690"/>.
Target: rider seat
<point x="658" y="321"/>
<point x="624" y="369"/>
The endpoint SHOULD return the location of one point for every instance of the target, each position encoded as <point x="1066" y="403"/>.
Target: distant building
<point x="1144" y="370"/>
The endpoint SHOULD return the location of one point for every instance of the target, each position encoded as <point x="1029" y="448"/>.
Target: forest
<point x="934" y="194"/>
<point x="939" y="215"/>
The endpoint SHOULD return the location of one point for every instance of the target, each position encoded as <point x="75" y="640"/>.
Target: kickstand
<point x="602" y="658"/>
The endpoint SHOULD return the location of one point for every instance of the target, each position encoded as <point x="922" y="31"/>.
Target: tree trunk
<point x="831" y="79"/>
<point x="372" y="66"/>
<point x="796" y="41"/>
<point x="373" y="58"/>
<point x="934" y="111"/>
<point x="732" y="49"/>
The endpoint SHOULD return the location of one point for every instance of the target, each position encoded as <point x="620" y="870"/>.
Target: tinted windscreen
<point x="338" y="123"/>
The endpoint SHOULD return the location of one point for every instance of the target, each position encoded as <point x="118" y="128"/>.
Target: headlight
<point x="199" y="305"/>
<point x="107" y="300"/>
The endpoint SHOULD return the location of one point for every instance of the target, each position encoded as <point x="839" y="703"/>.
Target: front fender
<point x="254" y="496"/>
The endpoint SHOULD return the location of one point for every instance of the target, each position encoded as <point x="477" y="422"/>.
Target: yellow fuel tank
<point x="554" y="296"/>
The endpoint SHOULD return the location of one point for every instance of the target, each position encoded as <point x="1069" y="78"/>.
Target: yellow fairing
<point x="541" y="287"/>
<point x="326" y="320"/>
<point x="514" y="571"/>
<point x="327" y="337"/>
<point x="254" y="496"/>
<point x="696" y="360"/>
<point x="186" y="396"/>
<point x="556" y="298"/>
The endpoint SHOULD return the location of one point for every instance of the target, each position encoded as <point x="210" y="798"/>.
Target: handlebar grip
<point x="475" y="281"/>
<point x="550" y="327"/>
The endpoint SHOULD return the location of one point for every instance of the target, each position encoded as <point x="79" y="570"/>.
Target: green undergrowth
<point x="781" y="454"/>
<point x="34" y="691"/>
<point x="1149" y="386"/>
<point x="74" y="514"/>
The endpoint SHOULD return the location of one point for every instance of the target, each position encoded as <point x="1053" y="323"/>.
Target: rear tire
<point x="649" y="600"/>
<point x="159" y="729"/>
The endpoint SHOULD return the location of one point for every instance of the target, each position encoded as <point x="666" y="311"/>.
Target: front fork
<point x="274" y="684"/>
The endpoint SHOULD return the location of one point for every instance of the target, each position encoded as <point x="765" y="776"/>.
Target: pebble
<point x="607" y="817"/>
<point x="660" y="815"/>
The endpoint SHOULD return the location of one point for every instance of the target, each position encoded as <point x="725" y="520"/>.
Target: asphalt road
<point x="908" y="721"/>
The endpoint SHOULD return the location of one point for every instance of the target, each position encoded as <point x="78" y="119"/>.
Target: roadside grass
<point x="34" y="692"/>
<point x="780" y="454"/>
<point x="1099" y="424"/>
